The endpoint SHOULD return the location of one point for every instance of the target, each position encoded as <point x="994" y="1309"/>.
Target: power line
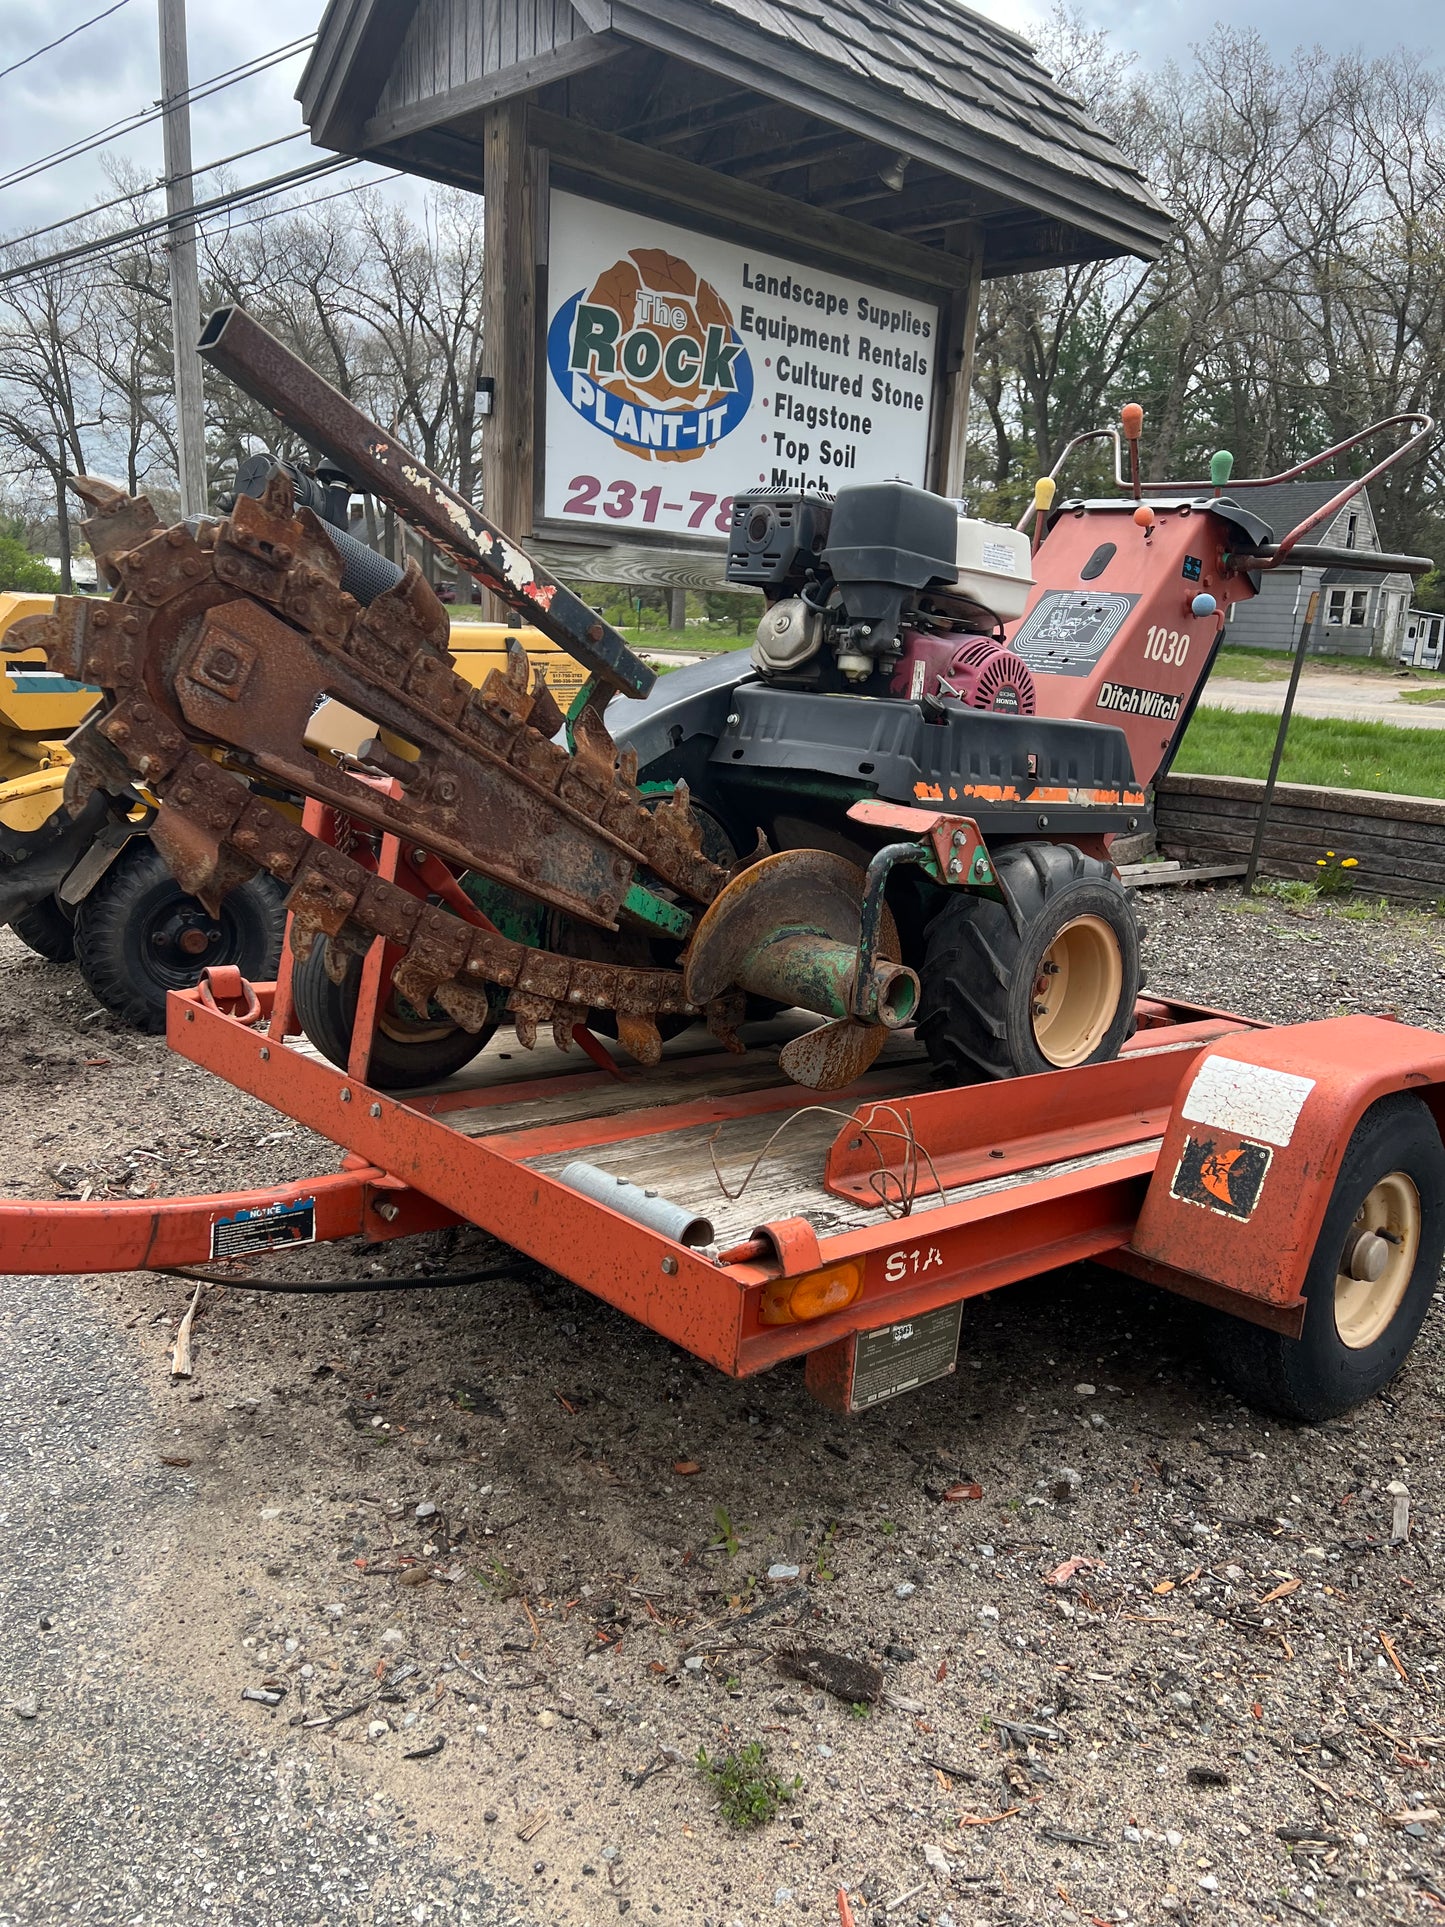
<point x="151" y="187"/>
<point x="294" y="207"/>
<point x="144" y="116"/>
<point x="51" y="45"/>
<point x="105" y="244"/>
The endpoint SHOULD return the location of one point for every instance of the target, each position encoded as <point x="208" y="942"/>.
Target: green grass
<point x="1336" y="755"/>
<point x="1423" y="695"/>
<point x="701" y="640"/>
<point x="749" y="1792"/>
<point x="1272" y="665"/>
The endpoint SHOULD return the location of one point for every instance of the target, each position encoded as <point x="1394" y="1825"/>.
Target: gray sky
<point x="111" y="71"/>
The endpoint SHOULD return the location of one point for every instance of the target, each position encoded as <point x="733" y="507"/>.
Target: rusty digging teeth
<point x="227" y="637"/>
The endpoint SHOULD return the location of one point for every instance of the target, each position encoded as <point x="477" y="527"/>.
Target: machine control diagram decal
<point x="1227" y="1178"/>
<point x="1247" y="1100"/>
<point x="1067" y="630"/>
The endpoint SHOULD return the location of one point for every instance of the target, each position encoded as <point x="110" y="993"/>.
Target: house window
<point x="1352" y="523"/>
<point x="1347" y="608"/>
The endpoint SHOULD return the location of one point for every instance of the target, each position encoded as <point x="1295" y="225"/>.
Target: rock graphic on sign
<point x="651" y="358"/>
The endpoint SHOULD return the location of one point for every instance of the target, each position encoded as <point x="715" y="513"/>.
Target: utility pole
<point x="184" y="273"/>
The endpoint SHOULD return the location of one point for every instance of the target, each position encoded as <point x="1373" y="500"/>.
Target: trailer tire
<point x="48" y="929"/>
<point x="327" y="1013"/>
<point x="982" y="1013"/>
<point x="1357" y="1332"/>
<point x="138" y="936"/>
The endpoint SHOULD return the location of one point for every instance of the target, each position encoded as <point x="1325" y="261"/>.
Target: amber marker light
<point x="817" y="1294"/>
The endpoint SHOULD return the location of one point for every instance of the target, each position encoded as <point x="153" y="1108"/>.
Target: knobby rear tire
<point x="138" y="901"/>
<point x="980" y="975"/>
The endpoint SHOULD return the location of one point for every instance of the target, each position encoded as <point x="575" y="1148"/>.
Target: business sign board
<point x="682" y="369"/>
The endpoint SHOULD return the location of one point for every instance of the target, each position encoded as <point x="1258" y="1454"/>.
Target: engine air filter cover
<point x="776" y="537"/>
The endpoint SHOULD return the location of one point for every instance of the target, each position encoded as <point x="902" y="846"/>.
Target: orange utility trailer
<point x="1290" y="1177"/>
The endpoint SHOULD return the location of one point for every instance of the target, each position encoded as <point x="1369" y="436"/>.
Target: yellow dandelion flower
<point x="1350" y="863"/>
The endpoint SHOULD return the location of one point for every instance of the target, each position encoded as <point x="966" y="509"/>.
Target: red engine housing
<point x="977" y="670"/>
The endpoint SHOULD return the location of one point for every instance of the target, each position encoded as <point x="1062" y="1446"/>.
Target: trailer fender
<point x="1252" y="1151"/>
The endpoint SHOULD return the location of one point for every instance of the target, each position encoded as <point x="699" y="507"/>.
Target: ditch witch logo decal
<point x="651" y="359"/>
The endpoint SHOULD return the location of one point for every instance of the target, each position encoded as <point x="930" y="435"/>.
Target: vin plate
<point x="900" y="1357"/>
<point x="264" y="1227"/>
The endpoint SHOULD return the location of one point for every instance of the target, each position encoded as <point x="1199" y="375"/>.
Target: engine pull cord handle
<point x="1045" y="489"/>
<point x="1131" y="420"/>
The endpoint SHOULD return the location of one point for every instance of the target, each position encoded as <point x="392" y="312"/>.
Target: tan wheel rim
<point x="1384" y="1240"/>
<point x="1076" y="993"/>
<point x="407" y="1030"/>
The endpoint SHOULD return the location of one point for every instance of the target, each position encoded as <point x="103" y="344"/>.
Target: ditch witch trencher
<point x="844" y="903"/>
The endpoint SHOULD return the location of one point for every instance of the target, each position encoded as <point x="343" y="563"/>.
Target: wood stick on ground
<point x="181" y="1349"/>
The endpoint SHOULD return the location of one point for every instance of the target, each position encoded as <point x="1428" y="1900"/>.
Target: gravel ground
<point x="504" y="1562"/>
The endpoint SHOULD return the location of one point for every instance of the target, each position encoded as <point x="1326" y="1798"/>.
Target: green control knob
<point x="1221" y="467"/>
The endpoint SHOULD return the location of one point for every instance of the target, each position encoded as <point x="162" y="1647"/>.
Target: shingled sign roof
<point x="965" y="71"/>
<point x="913" y="118"/>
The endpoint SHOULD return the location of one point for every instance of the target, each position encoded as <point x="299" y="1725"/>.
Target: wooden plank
<point x="789" y="1180"/>
<point x="1148" y="876"/>
<point x="1397" y="843"/>
<point x="640" y="564"/>
<point x="505" y="82"/>
<point x="1420" y="809"/>
<point x="1364" y="839"/>
<point x="607" y="157"/>
<point x="701" y="1072"/>
<point x="950" y="413"/>
<point x="345" y="78"/>
<point x="458" y="51"/>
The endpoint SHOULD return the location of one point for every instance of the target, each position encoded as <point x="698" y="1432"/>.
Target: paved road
<point x="125" y="1802"/>
<point x="1359" y="699"/>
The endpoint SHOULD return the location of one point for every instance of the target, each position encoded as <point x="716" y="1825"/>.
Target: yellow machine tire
<point x="138" y="936"/>
<point x="48" y="929"/>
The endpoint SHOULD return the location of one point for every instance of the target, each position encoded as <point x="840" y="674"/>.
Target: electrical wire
<point x="144" y="116"/>
<point x="51" y="45"/>
<point x="151" y="187"/>
<point x="238" y="197"/>
<point x="324" y="1287"/>
<point x="270" y="214"/>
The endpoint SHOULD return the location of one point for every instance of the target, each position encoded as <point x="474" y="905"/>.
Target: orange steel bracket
<point x="1252" y="1150"/>
<point x="955" y="839"/>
